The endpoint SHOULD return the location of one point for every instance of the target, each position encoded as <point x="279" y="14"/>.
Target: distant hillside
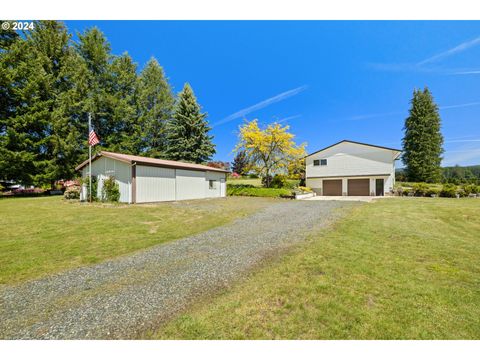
<point x="455" y="174"/>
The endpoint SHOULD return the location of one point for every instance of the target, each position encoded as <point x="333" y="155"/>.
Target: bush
<point x="253" y="191"/>
<point x="110" y="190"/>
<point x="471" y="189"/>
<point x="432" y="192"/>
<point x="94" y="188"/>
<point x="239" y="186"/>
<point x="449" y="190"/>
<point x="279" y="182"/>
<point x="72" y="193"/>
<point x="253" y="176"/>
<point x="420" y="189"/>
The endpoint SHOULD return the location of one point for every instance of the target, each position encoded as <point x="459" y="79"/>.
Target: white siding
<point x="217" y="184"/>
<point x="347" y="159"/>
<point x="105" y="167"/>
<point x="155" y="184"/>
<point x="190" y="184"/>
<point x="350" y="160"/>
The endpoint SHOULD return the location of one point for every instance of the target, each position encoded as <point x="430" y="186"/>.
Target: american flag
<point x="93" y="138"/>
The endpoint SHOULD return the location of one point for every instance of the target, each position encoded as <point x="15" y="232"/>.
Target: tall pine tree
<point x="155" y="102"/>
<point x="188" y="132"/>
<point x="423" y="140"/>
<point x="38" y="144"/>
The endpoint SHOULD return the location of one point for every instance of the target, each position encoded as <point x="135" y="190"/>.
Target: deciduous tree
<point x="269" y="151"/>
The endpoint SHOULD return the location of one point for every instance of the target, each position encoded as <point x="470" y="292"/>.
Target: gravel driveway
<point x="124" y="297"/>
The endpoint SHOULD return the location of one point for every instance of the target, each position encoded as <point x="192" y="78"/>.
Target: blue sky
<point x="327" y="80"/>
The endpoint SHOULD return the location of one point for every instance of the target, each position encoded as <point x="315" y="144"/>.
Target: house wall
<point x="351" y="160"/>
<point x="105" y="167"/>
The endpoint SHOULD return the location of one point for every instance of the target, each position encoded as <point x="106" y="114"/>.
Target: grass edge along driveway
<point x="45" y="235"/>
<point x="405" y="268"/>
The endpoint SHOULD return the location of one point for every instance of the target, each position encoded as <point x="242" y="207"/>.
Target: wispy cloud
<point x="455" y="50"/>
<point x="465" y="72"/>
<point x="462" y="156"/>
<point x="289" y="118"/>
<point x="459" y="105"/>
<point x="381" y="115"/>
<point x="427" y="65"/>
<point x="462" y="141"/>
<point x="262" y="104"/>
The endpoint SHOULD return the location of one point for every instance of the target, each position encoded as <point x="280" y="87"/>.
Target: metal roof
<point x="142" y="160"/>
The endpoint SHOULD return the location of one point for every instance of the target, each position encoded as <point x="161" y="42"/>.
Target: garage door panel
<point x="332" y="187"/>
<point x="155" y="184"/>
<point x="190" y="184"/>
<point x="358" y="187"/>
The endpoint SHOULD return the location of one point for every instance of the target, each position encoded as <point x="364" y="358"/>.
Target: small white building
<point x="350" y="168"/>
<point x="142" y="179"/>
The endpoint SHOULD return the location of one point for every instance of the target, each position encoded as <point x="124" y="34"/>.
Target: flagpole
<point x="90" y="156"/>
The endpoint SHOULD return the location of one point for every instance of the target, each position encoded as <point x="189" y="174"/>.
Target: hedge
<point x="260" y="192"/>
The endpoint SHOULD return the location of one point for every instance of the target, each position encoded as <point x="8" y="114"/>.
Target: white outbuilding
<point x="351" y="168"/>
<point x="143" y="179"/>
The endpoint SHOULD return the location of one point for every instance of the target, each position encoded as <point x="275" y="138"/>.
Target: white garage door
<point x="190" y="184"/>
<point x="155" y="184"/>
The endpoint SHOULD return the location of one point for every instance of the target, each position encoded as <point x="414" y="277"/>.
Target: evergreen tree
<point x="188" y="136"/>
<point x="38" y="144"/>
<point x="155" y="106"/>
<point x="95" y="84"/>
<point x="240" y="163"/>
<point x="122" y="101"/>
<point x="422" y="143"/>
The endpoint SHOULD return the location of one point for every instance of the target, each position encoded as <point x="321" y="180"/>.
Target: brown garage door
<point x="358" y="187"/>
<point x="332" y="187"/>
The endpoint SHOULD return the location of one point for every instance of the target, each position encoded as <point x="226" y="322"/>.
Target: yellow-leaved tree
<point x="270" y="150"/>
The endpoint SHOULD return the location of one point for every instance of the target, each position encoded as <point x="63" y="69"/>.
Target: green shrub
<point x="279" y="181"/>
<point x="432" y="192"/>
<point x="420" y="189"/>
<point x="449" y="190"/>
<point x="72" y="193"/>
<point x="86" y="182"/>
<point x="110" y="190"/>
<point x="253" y="176"/>
<point x="239" y="186"/>
<point x="253" y="191"/>
<point x="471" y="189"/>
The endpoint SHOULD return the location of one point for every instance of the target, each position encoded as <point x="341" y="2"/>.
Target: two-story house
<point x="351" y="168"/>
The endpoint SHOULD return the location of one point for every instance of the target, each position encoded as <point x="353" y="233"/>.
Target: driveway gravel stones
<point x="126" y="296"/>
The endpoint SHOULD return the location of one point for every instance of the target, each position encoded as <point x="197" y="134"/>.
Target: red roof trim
<point x="131" y="159"/>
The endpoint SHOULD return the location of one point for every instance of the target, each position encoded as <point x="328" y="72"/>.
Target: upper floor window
<point x="321" y="162"/>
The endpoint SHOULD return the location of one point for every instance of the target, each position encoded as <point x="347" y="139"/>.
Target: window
<point x="321" y="162"/>
<point x="211" y="184"/>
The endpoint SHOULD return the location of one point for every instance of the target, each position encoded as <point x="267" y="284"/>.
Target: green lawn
<point x="406" y="268"/>
<point x="44" y="235"/>
<point x="246" y="181"/>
